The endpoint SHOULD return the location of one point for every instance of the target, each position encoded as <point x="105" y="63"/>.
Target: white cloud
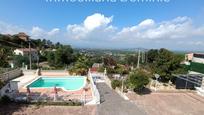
<point x="76" y="31"/>
<point x="6" y="28"/>
<point x="93" y="26"/>
<point x="35" y="32"/>
<point x="97" y="30"/>
<point x="53" y="32"/>
<point x="38" y="32"/>
<point x="178" y="28"/>
<point x="191" y="43"/>
<point x="96" y="20"/>
<point x="147" y="23"/>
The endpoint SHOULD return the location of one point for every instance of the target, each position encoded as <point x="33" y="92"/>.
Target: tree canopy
<point x="19" y="60"/>
<point x="165" y="63"/>
<point x="81" y="66"/>
<point x="61" y="57"/>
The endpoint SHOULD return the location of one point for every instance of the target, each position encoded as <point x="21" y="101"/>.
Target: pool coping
<point x="56" y="87"/>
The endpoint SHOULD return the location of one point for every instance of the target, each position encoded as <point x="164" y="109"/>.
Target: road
<point x="114" y="104"/>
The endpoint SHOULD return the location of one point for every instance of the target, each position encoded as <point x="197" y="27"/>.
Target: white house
<point x="197" y="69"/>
<point x="26" y="51"/>
<point x="189" y="57"/>
<point x="198" y="57"/>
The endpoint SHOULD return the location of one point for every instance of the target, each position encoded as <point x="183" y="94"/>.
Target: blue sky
<point x="176" y="25"/>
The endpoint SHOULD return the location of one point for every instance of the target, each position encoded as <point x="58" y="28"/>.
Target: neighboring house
<point x="195" y="78"/>
<point x="197" y="63"/>
<point x="43" y="52"/>
<point x="96" y="66"/>
<point x="117" y="76"/>
<point x="23" y="36"/>
<point x="198" y="58"/>
<point x="189" y="57"/>
<point x="26" y="51"/>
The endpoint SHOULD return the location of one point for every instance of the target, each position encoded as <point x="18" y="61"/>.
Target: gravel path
<point x="113" y="104"/>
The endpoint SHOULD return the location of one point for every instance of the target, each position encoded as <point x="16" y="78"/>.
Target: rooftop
<point x="26" y="49"/>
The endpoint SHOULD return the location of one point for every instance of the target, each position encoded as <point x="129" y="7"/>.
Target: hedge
<point x="197" y="67"/>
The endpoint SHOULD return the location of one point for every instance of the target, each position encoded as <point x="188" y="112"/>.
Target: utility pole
<point x="122" y="84"/>
<point x="138" y="60"/>
<point x="143" y="57"/>
<point x="30" y="54"/>
<point x="157" y="77"/>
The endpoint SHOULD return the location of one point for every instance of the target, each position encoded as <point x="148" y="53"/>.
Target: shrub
<point x="101" y="69"/>
<point x="110" y="70"/>
<point x="115" y="83"/>
<point x="1" y="84"/>
<point x="19" y="59"/>
<point x="5" y="99"/>
<point x="34" y="66"/>
<point x="137" y="80"/>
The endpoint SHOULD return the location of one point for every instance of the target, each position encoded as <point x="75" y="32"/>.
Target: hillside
<point x="21" y="40"/>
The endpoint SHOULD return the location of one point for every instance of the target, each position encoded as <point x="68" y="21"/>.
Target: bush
<point x="5" y="99"/>
<point x="19" y="59"/>
<point x="101" y="69"/>
<point x="1" y="84"/>
<point x="34" y="66"/>
<point x="110" y="70"/>
<point x="115" y="83"/>
<point x="137" y="80"/>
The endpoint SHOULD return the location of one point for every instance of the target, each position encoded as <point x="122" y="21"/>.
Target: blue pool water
<point x="67" y="83"/>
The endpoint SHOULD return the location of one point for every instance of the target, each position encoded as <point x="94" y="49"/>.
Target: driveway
<point x="23" y="109"/>
<point x="113" y="104"/>
<point x="169" y="103"/>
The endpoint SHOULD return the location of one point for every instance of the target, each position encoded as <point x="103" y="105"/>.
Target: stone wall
<point x="5" y="77"/>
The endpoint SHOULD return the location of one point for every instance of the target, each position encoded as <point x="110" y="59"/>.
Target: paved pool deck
<point x="29" y="76"/>
<point x="113" y="104"/>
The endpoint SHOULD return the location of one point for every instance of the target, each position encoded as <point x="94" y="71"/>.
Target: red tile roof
<point x="93" y="69"/>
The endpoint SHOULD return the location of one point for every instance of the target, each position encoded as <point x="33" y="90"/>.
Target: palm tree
<point x="81" y="66"/>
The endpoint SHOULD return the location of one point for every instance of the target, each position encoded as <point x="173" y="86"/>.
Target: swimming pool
<point x="66" y="83"/>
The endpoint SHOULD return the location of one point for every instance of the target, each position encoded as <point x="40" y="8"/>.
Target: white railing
<point x="95" y="93"/>
<point x="38" y="97"/>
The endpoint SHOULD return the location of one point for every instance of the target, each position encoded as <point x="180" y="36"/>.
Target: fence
<point x="5" y="77"/>
<point x="39" y="97"/>
<point x="197" y="67"/>
<point x="189" y="81"/>
<point x="95" y="93"/>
